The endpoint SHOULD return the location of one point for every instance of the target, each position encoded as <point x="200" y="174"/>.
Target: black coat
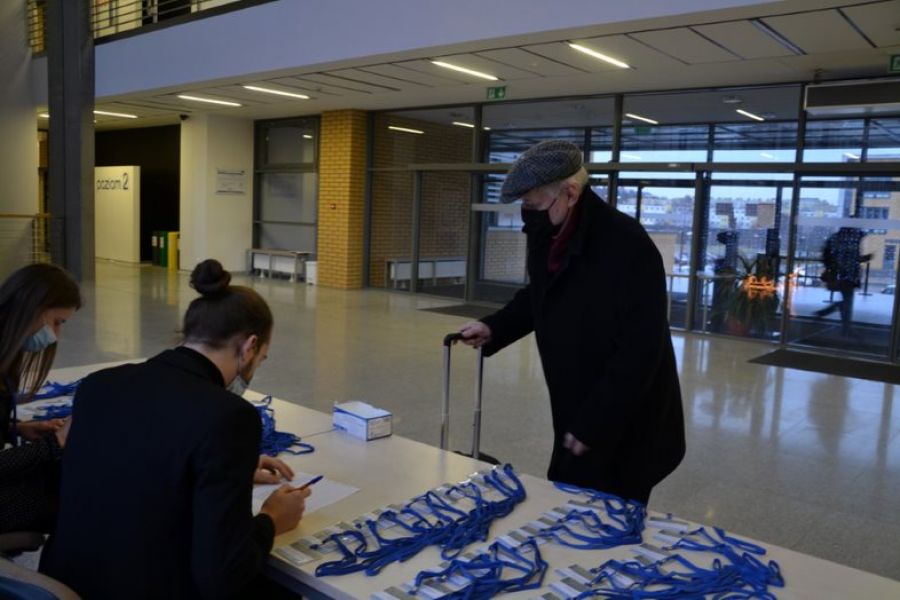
<point x="156" y="485"/>
<point x="603" y="337"/>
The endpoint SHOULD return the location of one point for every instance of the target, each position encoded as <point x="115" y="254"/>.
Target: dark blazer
<point x="156" y="485"/>
<point x="603" y="337"/>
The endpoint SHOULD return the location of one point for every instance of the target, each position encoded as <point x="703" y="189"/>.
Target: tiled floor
<point x="798" y="459"/>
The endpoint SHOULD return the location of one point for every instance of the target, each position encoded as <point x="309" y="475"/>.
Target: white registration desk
<point x="395" y="469"/>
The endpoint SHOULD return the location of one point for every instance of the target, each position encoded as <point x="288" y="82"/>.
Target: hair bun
<point x="210" y="277"/>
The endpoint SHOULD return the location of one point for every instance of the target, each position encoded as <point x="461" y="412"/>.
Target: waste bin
<point x="163" y="248"/>
<point x="172" y="250"/>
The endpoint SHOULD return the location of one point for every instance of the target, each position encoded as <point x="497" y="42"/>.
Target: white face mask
<point x="40" y="340"/>
<point x="239" y="384"/>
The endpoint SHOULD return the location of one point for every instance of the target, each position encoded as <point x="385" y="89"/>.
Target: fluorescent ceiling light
<point x="465" y="70"/>
<point x="254" y="88"/>
<point x="405" y="129"/>
<point x="599" y="55"/>
<point x="44" y="115"/>
<point x="749" y="114"/>
<point x="461" y="124"/>
<point x="487" y="128"/>
<point x="306" y="136"/>
<point x="106" y="113"/>
<point x="632" y="157"/>
<point x="851" y="156"/>
<point x="640" y="118"/>
<point x="209" y="100"/>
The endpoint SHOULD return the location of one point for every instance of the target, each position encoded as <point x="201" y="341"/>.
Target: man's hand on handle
<point x="475" y="334"/>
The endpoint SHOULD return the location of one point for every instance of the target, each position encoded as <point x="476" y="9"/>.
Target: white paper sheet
<point x="324" y="492"/>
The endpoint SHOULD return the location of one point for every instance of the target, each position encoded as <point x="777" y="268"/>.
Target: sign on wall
<point x="230" y="181"/>
<point x="117" y="213"/>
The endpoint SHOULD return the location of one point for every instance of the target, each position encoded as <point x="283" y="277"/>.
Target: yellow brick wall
<point x="342" y="177"/>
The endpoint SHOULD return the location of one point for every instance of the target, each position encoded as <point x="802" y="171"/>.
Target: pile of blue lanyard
<point x="275" y="442"/>
<point x="487" y="574"/>
<point x="429" y="519"/>
<point x="53" y="389"/>
<point x="735" y="572"/>
<point x="582" y="526"/>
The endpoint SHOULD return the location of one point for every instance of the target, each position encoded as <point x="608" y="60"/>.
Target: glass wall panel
<point x="851" y="228"/>
<point x="440" y="135"/>
<point x="286" y="196"/>
<point x="741" y="284"/>
<point x="390" y="244"/>
<point x="444" y="233"/>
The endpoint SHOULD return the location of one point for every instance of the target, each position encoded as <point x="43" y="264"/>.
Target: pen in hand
<point x="312" y="481"/>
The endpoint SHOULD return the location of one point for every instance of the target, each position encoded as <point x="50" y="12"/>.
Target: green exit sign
<point x="894" y="65"/>
<point x="496" y="93"/>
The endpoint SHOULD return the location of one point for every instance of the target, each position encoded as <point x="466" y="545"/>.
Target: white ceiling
<point x="851" y="41"/>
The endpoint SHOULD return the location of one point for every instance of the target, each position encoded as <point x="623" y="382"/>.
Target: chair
<point x="21" y="583"/>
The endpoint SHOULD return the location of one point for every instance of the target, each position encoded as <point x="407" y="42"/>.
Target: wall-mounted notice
<point x="231" y="181"/>
<point x="117" y="213"/>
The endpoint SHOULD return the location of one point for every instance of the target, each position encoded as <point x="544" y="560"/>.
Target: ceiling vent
<point x="863" y="97"/>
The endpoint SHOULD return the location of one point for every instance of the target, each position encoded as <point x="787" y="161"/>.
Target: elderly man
<point x="596" y="300"/>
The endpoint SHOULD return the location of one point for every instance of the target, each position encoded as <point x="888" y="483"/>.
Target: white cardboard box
<point x="362" y="420"/>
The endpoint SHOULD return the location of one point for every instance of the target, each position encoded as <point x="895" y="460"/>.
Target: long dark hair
<point x="24" y="297"/>
<point x="223" y="311"/>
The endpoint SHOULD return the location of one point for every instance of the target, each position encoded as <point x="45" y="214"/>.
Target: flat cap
<point x="541" y="164"/>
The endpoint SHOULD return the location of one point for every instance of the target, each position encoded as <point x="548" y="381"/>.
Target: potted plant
<point x="754" y="298"/>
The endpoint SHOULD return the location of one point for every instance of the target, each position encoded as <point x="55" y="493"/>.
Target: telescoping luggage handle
<point x="449" y="339"/>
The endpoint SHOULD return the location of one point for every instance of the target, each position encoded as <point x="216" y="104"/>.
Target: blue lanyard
<point x="733" y="575"/>
<point x="585" y="529"/>
<point x="429" y="519"/>
<point x="486" y="572"/>
<point x="54" y="389"/>
<point x="275" y="442"/>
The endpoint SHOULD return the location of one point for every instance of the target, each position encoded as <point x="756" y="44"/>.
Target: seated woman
<point x="160" y="463"/>
<point x="35" y="302"/>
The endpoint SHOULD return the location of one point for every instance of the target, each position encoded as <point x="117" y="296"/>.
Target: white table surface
<point x="395" y="469"/>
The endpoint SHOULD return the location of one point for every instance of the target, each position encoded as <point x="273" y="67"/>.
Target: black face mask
<point x="538" y="224"/>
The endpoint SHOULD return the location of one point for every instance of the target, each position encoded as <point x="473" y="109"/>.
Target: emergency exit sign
<point x="496" y="93"/>
<point x="894" y="66"/>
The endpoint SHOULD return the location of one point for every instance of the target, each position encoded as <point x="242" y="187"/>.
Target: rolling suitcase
<point x="449" y="339"/>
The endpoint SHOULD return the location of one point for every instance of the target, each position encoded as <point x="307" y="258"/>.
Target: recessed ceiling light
<point x="106" y="113"/>
<point x="254" y="88"/>
<point x="749" y="114"/>
<point x="208" y="100"/>
<point x="447" y="65"/>
<point x="487" y="128"/>
<point x="599" y="55"/>
<point x="640" y="118"/>
<point x="306" y="136"/>
<point x="461" y="124"/>
<point x="405" y="129"/>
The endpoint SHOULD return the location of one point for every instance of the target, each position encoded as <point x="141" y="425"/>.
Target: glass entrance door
<point x="848" y="231"/>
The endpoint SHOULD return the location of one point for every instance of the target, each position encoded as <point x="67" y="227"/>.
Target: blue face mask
<point x="40" y="340"/>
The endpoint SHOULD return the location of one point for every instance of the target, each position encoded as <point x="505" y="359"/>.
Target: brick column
<point x="342" y="176"/>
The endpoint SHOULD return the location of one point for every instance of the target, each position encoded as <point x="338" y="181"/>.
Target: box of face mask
<point x="362" y="420"/>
